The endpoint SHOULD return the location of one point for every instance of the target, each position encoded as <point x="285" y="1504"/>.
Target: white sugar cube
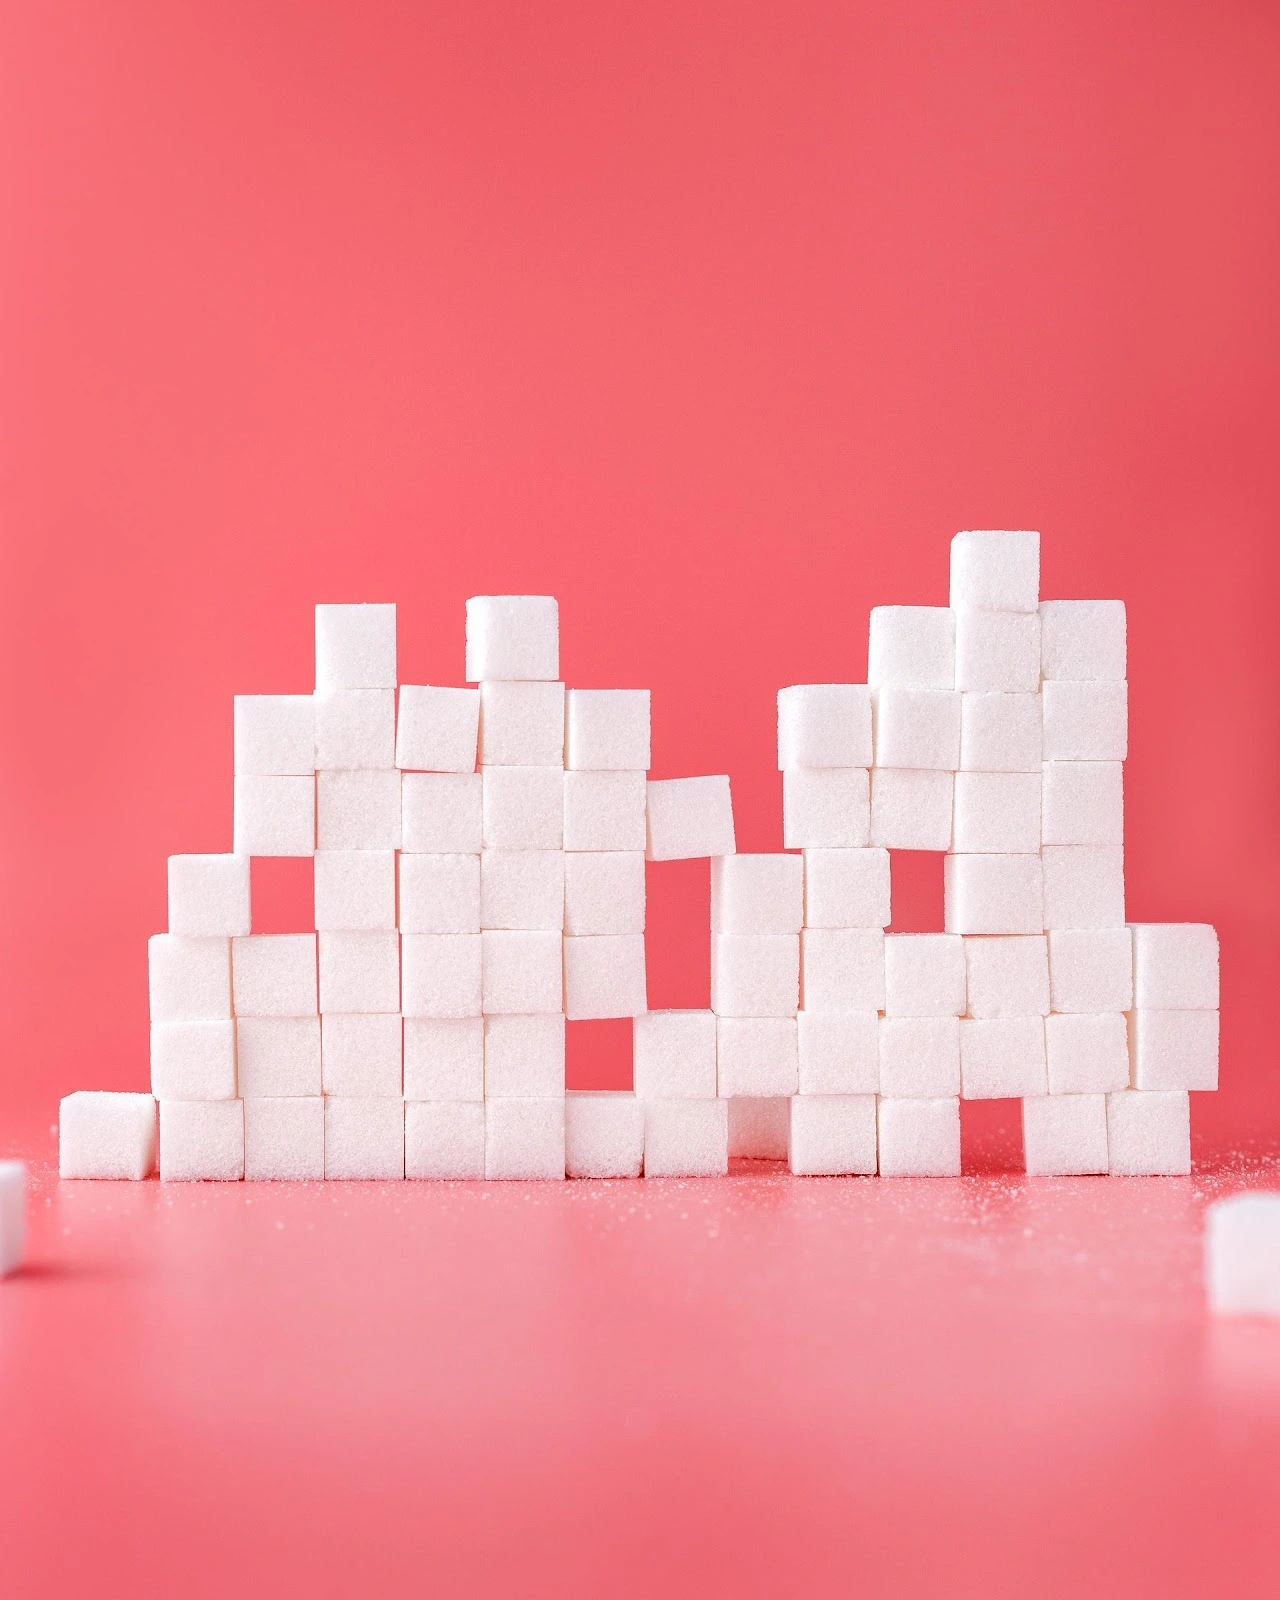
<point x="686" y="1138"/>
<point x="1242" y="1255"/>
<point x="356" y="647"/>
<point x="674" y="1054"/>
<point x="993" y="894"/>
<point x="604" y="892"/>
<point x="358" y="810"/>
<point x="444" y="1139"/>
<point x="824" y="725"/>
<point x="1000" y="733"/>
<point x="512" y="636"/>
<point x="831" y="1134"/>
<point x="208" y="895"/>
<point x="839" y="1052"/>
<point x="1086" y="721"/>
<point x="756" y="1056"/>
<point x="1008" y="977"/>
<point x="911" y="810"/>
<point x="689" y="818"/>
<point x="522" y="724"/>
<point x="523" y="1057"/>
<point x="193" y="1060"/>
<point x="275" y="735"/>
<point x="1083" y="886"/>
<point x="1149" y="1134"/>
<point x="440" y="974"/>
<point x="284" y="1138"/>
<point x="757" y="894"/>
<point x="444" y="1059"/>
<point x="996" y="813"/>
<point x="919" y="1138"/>
<point x="439" y="893"/>
<point x="604" y="811"/>
<point x="201" y="1139"/>
<point x="363" y="1055"/>
<point x="190" y="979"/>
<point x="912" y="647"/>
<point x="846" y="888"/>
<point x="356" y="728"/>
<point x="755" y="974"/>
<point x="1002" y="1058"/>
<point x="522" y="889"/>
<point x="355" y="890"/>
<point x="363" y="1138"/>
<point x="924" y="975"/>
<point x="759" y="1127"/>
<point x="106" y="1135"/>
<point x="13" y="1215"/>
<point x="274" y="816"/>
<point x="442" y="812"/>
<point x="607" y="730"/>
<point x="1064" y="1133"/>
<point x="917" y="728"/>
<point x="1083" y="802"/>
<point x="919" y="1057"/>
<point x="437" y="730"/>
<point x="278" y="1056"/>
<point x="603" y="1134"/>
<point x="995" y="570"/>
<point x="842" y="969"/>
<point x="998" y="652"/>
<point x="1174" y="1049"/>
<point x="1091" y="969"/>
<point x="523" y="808"/>
<point x="1175" y="966"/>
<point x="825" y="807"/>
<point x="274" y="975"/>
<point x="523" y="973"/>
<point x="524" y="1138"/>
<point x="604" y="976"/>
<point x="1087" y="1054"/>
<point x="1083" y="640"/>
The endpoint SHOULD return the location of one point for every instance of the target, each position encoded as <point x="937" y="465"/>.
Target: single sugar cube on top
<point x="437" y="729"/>
<point x="1242" y="1255"/>
<point x="757" y="894"/>
<point x="355" y="647"/>
<point x="995" y="570"/>
<point x="912" y="647"/>
<point x="513" y="636"/>
<point x="209" y="895"/>
<point x="13" y="1215"/>
<point x="1175" y="966"/>
<point x="1083" y="640"/>
<point x="824" y="725"/>
<point x="607" y="730"/>
<point x="689" y="818"/>
<point x="106" y="1135"/>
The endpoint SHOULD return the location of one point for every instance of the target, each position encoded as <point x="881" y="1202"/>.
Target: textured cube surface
<point x="842" y="969"/>
<point x="523" y="972"/>
<point x="522" y="724"/>
<point x="275" y="816"/>
<point x="437" y="730"/>
<point x="755" y="975"/>
<point x="759" y="1127"/>
<point x="440" y="974"/>
<point x="924" y="975"/>
<point x="512" y="636"/>
<point x="1087" y="1054"/>
<point x="1083" y="886"/>
<point x="102" y="1135"/>
<point x="604" y="976"/>
<point x="1242" y="1255"/>
<point x="523" y="1057"/>
<point x="442" y="812"/>
<point x="1174" y="1049"/>
<point x="363" y="1138"/>
<point x="756" y="1056"/>
<point x="355" y="890"/>
<point x="275" y="735"/>
<point x="208" y="895"/>
<point x="604" y="892"/>
<point x="358" y="810"/>
<point x="355" y="647"/>
<point x="604" y="811"/>
<point x="846" y="888"/>
<point x="675" y="1055"/>
<point x="274" y="975"/>
<point x="1002" y="1058"/>
<point x="521" y="889"/>
<point x="444" y="1139"/>
<point x="686" y="1138"/>
<point x="603" y="1134"/>
<point x="524" y="1138"/>
<point x="523" y="808"/>
<point x="919" y="1056"/>
<point x="1000" y="733"/>
<point x="362" y="1055"/>
<point x="607" y="730"/>
<point x="278" y="1056"/>
<point x="1065" y="1133"/>
<point x="995" y="570"/>
<point x="189" y="979"/>
<point x="193" y="1060"/>
<point x="757" y="894"/>
<point x="1083" y="640"/>
<point x="919" y="1138"/>
<point x="912" y="647"/>
<point x="1086" y="721"/>
<point x="1007" y="977"/>
<point x="911" y="810"/>
<point x="998" y="652"/>
<point x="444" y="1059"/>
<point x="824" y="725"/>
<point x="996" y="813"/>
<point x="1175" y="966"/>
<point x="688" y="818"/>
<point x="825" y="807"/>
<point x="1149" y="1133"/>
<point x="993" y="894"/>
<point x="1091" y="969"/>
<point x="201" y="1139"/>
<point x="832" y="1134"/>
<point x="439" y="893"/>
<point x="1083" y="802"/>
<point x="838" y="1052"/>
<point x="356" y="728"/>
<point x="917" y="728"/>
<point x="284" y="1139"/>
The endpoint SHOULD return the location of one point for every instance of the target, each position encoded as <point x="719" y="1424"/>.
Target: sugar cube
<point x="208" y="895"/>
<point x="356" y="728"/>
<point x="439" y="893"/>
<point x="444" y="1139"/>
<point x="825" y="807"/>
<point x="1086" y="721"/>
<point x="846" y="888"/>
<point x="993" y="894"/>
<point x="674" y="1054"/>
<point x="755" y="974"/>
<point x="1002" y="1058"/>
<point x="917" y="728"/>
<point x="523" y="808"/>
<point x="996" y="813"/>
<point x="523" y="1057"/>
<point x="201" y="1139"/>
<point x="358" y="810"/>
<point x="998" y="652"/>
<point x="13" y="1215"/>
<point x="362" y="1055"/>
<point x="437" y="730"/>
<point x="1083" y="886"/>
<point x="106" y="1135"/>
<point x="190" y="979"/>
<point x="688" y="818"/>
<point x="756" y="1056"/>
<point x="193" y="1060"/>
<point x="839" y="1052"/>
<point x="843" y="969"/>
<point x="440" y="974"/>
<point x="1083" y="640"/>
<point x="759" y="1126"/>
<point x="512" y="636"/>
<point x="604" y="811"/>
<point x="1083" y="802"/>
<point x="607" y="730"/>
<point x="603" y="1134"/>
<point x="523" y="972"/>
<point x="1091" y="969"/>
<point x="1149" y="1133"/>
<point x="1064" y="1133"/>
<point x="442" y="812"/>
<point x="912" y="647"/>
<point x="604" y="892"/>
<point x="274" y="975"/>
<point x="919" y="1057"/>
<point x="524" y="1138"/>
<point x="275" y="735"/>
<point x="1174" y="1049"/>
<point x="1007" y="977"/>
<point x="522" y="724"/>
<point x="832" y="1134"/>
<point x="824" y="725"/>
<point x="1087" y="1054"/>
<point x="1000" y="733"/>
<point x="686" y="1138"/>
<point x="363" y="1138"/>
<point x="924" y="975"/>
<point x="278" y="1056"/>
<point x="1175" y="966"/>
<point x="995" y="570"/>
<point x="1242" y="1255"/>
<point x="444" y="1059"/>
<point x="284" y="1138"/>
<point x="919" y="1138"/>
<point x="911" y="809"/>
<point x="522" y="889"/>
<point x="604" y="976"/>
<point x="356" y="647"/>
<point x="274" y="816"/>
<point x="355" y="890"/>
<point x="757" y="894"/>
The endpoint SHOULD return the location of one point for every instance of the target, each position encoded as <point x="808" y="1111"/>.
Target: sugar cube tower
<point x="479" y="859"/>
